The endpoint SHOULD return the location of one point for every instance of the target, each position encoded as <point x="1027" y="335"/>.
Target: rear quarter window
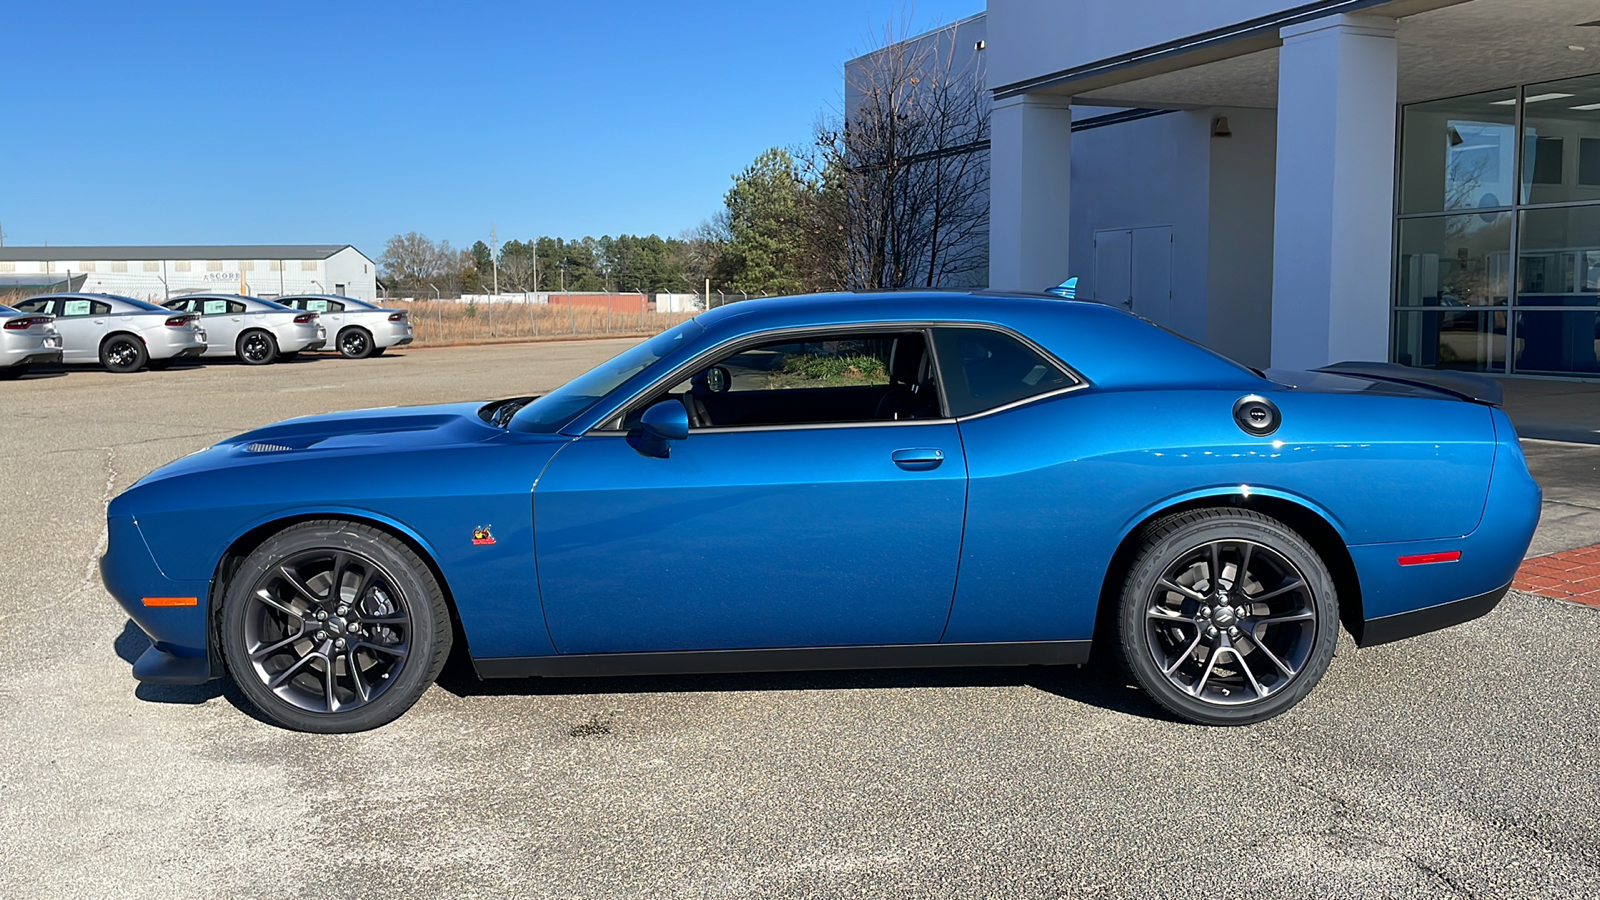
<point x="984" y="369"/>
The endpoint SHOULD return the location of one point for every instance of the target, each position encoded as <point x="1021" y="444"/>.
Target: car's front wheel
<point x="257" y="347"/>
<point x="333" y="627"/>
<point x="1228" y="616"/>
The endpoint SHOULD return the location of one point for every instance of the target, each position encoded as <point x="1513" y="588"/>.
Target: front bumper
<point x="173" y="613"/>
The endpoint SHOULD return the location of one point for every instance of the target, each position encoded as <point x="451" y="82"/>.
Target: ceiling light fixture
<point x="1587" y="107"/>
<point x="1534" y="99"/>
<point x="1576" y="47"/>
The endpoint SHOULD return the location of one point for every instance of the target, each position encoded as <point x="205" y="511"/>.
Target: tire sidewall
<point x="430" y="626"/>
<point x="1178" y="538"/>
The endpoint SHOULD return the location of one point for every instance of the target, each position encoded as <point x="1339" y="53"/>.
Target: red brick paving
<point x="1569" y="575"/>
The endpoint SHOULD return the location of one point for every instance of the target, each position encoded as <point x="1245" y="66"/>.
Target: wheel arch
<point x="122" y="332"/>
<point x="1299" y="515"/>
<point x="246" y="543"/>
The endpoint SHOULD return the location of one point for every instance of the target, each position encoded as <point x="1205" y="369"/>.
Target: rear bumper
<point x="392" y="334"/>
<point x="176" y="344"/>
<point x="298" y="338"/>
<point x="1403" y="596"/>
<point x="1421" y="621"/>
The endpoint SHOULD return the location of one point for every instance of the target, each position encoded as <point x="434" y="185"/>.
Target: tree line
<point x="892" y="195"/>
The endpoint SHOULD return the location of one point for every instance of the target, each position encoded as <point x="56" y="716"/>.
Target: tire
<point x="281" y="646"/>
<point x="355" y="343"/>
<point x="123" y="353"/>
<point x="1260" y="657"/>
<point x="257" y="348"/>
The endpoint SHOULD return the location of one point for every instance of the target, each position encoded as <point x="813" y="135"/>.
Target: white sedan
<point x="120" y="333"/>
<point x="360" y="329"/>
<point x="257" y="331"/>
<point x="26" y="339"/>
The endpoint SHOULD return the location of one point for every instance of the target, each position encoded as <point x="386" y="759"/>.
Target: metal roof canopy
<point x="178" y="251"/>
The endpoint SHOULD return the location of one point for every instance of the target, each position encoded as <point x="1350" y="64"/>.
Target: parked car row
<point x="127" y="335"/>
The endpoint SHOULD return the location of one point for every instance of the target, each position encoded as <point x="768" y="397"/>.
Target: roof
<point x="176" y="251"/>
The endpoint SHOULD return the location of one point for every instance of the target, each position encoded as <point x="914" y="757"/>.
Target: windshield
<point x="554" y="410"/>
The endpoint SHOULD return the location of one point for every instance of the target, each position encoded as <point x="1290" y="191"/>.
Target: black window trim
<point x="612" y="425"/>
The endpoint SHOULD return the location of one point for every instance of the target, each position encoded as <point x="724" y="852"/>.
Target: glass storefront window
<point x="1561" y="141"/>
<point x="1467" y="340"/>
<point x="1455" y="261"/>
<point x="1459" y="153"/>
<point x="1558" y="263"/>
<point x="1554" y="342"/>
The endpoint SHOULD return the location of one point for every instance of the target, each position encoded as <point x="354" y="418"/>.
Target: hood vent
<point x="260" y="447"/>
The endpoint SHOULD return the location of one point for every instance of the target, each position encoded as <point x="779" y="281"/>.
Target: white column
<point x="1030" y="192"/>
<point x="1334" y="208"/>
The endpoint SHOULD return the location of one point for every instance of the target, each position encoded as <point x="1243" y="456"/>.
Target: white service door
<point x="1152" y="274"/>
<point x="1113" y="267"/>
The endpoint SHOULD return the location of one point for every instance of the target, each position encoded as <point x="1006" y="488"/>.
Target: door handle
<point x="918" y="459"/>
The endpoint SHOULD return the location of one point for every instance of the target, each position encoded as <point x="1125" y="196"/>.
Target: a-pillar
<point x="1334" y="207"/>
<point x="1030" y="191"/>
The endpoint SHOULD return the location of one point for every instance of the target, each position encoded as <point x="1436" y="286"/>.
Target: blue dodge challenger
<point x="839" y="481"/>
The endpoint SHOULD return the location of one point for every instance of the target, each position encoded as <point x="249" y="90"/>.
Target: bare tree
<point x="909" y="164"/>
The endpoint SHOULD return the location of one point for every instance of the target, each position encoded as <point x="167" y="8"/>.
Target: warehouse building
<point x="157" y="273"/>
<point x="1297" y="184"/>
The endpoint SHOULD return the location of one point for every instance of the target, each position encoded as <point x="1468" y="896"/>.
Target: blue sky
<point x="346" y="122"/>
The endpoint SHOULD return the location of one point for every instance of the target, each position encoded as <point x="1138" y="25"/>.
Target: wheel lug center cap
<point x="334" y="625"/>
<point x="1224" y="616"/>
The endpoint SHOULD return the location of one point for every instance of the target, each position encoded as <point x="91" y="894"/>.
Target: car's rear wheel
<point x="334" y="627"/>
<point x="257" y="347"/>
<point x="355" y="343"/>
<point x="123" y="353"/>
<point x="1228" y="616"/>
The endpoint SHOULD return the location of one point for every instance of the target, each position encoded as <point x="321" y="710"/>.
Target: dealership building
<point x="157" y="273"/>
<point x="1413" y="180"/>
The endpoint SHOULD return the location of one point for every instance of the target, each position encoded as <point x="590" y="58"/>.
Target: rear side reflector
<point x="305" y="319"/>
<point x="172" y="601"/>
<point x="1422" y="559"/>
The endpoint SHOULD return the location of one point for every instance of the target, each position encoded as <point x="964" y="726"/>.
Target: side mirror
<point x="660" y="425"/>
<point x="718" y="380"/>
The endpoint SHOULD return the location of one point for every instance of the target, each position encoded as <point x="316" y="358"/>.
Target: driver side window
<point x="821" y="379"/>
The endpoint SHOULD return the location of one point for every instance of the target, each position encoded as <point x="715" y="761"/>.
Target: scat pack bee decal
<point x="481" y="536"/>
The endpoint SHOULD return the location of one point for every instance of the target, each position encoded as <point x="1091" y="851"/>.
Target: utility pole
<point x="494" y="260"/>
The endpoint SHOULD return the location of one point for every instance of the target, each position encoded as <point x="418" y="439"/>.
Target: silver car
<point x="120" y="333"/>
<point x="257" y="331"/>
<point x="360" y="329"/>
<point x="26" y="339"/>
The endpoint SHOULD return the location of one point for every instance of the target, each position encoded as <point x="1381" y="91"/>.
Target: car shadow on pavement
<point x="1099" y="683"/>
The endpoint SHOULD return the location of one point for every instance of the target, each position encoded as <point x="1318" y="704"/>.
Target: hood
<point x="366" y="431"/>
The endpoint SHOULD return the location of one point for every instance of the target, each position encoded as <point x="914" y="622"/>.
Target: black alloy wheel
<point x="123" y="353"/>
<point x="334" y="627"/>
<point x="1228" y="616"/>
<point x="257" y="348"/>
<point x="355" y="343"/>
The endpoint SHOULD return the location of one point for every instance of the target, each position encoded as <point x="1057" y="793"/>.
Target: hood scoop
<point x="339" y="431"/>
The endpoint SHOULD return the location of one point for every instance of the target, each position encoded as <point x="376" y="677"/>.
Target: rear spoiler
<point x="1475" y="388"/>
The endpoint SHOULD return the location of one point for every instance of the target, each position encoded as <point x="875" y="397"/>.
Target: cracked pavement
<point x="1462" y="763"/>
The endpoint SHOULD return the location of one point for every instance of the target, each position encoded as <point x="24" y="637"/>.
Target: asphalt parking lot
<point x="1462" y="763"/>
